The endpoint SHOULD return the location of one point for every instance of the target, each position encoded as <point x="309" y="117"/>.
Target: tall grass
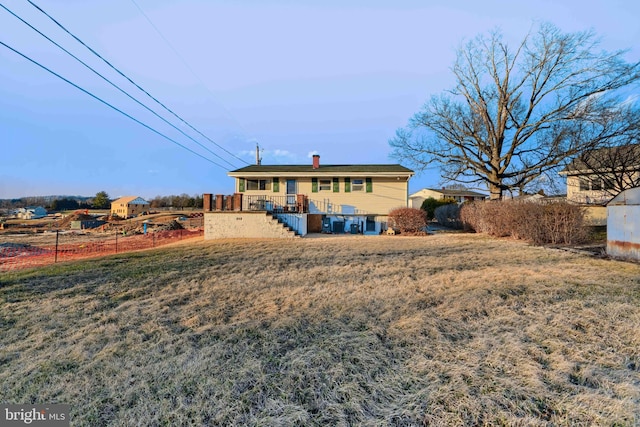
<point x="440" y="330"/>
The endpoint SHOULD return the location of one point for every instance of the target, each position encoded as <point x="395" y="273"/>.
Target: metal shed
<point x="623" y="225"/>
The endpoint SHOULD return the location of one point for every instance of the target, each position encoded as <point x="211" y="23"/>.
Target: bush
<point x="408" y="220"/>
<point x="536" y="222"/>
<point x="449" y="215"/>
<point x="429" y="205"/>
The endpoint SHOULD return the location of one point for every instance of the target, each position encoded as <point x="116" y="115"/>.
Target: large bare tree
<point x="517" y="113"/>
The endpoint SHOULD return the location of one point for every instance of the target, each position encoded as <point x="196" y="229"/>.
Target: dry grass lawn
<point x="444" y="330"/>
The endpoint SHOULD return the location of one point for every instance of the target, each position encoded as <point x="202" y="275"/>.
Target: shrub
<point x="408" y="220"/>
<point x="483" y="217"/>
<point x="449" y="215"/>
<point x="429" y="205"/>
<point x="537" y="222"/>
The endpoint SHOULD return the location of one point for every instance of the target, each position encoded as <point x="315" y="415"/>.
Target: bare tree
<point x="516" y="114"/>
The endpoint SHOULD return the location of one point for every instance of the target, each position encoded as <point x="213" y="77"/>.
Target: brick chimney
<point x="316" y="161"/>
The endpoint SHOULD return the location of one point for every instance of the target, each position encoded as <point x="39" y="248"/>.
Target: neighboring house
<point x="597" y="177"/>
<point x="126" y="207"/>
<point x="459" y="195"/>
<point x="336" y="198"/>
<point x="31" y="212"/>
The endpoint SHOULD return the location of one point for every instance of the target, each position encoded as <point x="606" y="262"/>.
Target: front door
<point x="292" y="190"/>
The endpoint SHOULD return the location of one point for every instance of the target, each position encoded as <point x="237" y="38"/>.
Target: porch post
<point x="237" y="202"/>
<point x="206" y="202"/>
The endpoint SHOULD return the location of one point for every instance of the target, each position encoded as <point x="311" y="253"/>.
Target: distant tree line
<point x="177" y="201"/>
<point x="100" y="201"/>
<point x="51" y="203"/>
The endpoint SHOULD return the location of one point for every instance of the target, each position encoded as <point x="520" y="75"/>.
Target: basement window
<point x="258" y="184"/>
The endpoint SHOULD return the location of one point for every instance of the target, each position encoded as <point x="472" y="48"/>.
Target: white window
<point x="357" y="185"/>
<point x="585" y="185"/>
<point x="258" y="184"/>
<point x="324" y="185"/>
<point x="595" y="184"/>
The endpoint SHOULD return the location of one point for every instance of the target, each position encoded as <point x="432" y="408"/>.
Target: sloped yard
<point x="449" y="329"/>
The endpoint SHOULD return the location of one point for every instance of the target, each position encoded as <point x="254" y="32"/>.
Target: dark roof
<point x="604" y="158"/>
<point x="308" y="169"/>
<point x="456" y="192"/>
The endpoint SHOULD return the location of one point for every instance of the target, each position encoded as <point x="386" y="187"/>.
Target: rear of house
<point x="332" y="198"/>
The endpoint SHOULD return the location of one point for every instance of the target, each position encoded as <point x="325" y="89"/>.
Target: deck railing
<point x="298" y="203"/>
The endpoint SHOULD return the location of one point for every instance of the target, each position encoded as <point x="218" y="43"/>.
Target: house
<point x="314" y="197"/>
<point x="129" y="206"/>
<point x="623" y="225"/>
<point x="31" y="212"/>
<point x="460" y="195"/>
<point x="595" y="177"/>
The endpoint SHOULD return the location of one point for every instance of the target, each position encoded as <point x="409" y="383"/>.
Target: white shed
<point x="623" y="225"/>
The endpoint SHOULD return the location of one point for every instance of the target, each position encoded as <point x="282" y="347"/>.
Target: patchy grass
<point x="440" y="330"/>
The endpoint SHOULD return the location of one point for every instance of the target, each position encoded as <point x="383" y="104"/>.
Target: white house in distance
<point x="616" y="169"/>
<point x="31" y="212"/>
<point x="459" y="195"/>
<point x="355" y="198"/>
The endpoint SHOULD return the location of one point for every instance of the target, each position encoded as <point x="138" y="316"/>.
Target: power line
<point x="134" y="83"/>
<point x="181" y="58"/>
<point x="114" y="85"/>
<point x="108" y="104"/>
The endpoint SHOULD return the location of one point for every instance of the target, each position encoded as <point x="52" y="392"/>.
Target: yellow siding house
<point x="129" y="206"/>
<point x="353" y="195"/>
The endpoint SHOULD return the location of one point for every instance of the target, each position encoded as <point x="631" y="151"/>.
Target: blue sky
<point x="332" y="77"/>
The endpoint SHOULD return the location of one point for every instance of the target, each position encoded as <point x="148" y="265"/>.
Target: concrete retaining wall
<point x="225" y="224"/>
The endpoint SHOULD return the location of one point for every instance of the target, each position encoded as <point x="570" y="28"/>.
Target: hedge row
<point x="552" y="222"/>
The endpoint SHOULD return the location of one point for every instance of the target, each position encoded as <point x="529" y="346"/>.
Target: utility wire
<point x="115" y="86"/>
<point x="133" y="83"/>
<point x="107" y="104"/>
<point x="184" y="62"/>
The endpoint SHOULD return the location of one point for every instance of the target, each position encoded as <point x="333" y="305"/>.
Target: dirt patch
<point x="65" y="223"/>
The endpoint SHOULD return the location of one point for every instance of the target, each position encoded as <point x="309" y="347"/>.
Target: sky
<point x="336" y="78"/>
